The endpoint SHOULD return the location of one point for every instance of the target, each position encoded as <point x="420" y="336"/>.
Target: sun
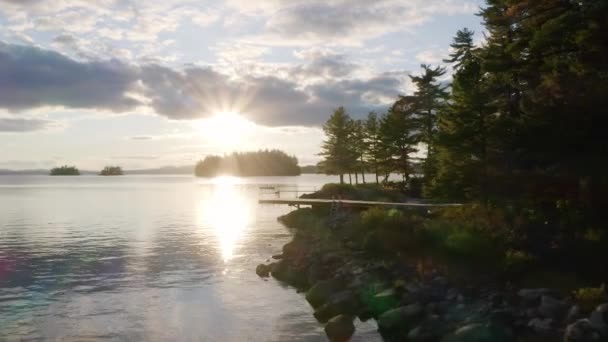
<point x="226" y="130"/>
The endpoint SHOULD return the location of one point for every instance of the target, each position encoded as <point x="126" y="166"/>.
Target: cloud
<point x="435" y="56"/>
<point x="345" y="22"/>
<point x="21" y="125"/>
<point x="31" y="78"/>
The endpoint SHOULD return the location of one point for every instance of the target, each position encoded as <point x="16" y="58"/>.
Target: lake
<point x="161" y="258"/>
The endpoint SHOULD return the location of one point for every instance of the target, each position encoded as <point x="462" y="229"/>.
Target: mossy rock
<point x="322" y="292"/>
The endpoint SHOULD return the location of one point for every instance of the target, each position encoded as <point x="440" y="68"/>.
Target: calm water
<point x="161" y="258"/>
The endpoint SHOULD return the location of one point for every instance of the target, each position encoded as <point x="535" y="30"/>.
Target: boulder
<point x="404" y="317"/>
<point x="293" y="248"/>
<point x="478" y="332"/>
<point x="321" y="292"/>
<point x="340" y="303"/>
<point x="263" y="270"/>
<point x="340" y="328"/>
<point x="552" y="308"/>
<point x="581" y="331"/>
<point x="599" y="319"/>
<point x="574" y="314"/>
<point x="540" y="325"/>
<point x="429" y="331"/>
<point x="532" y="296"/>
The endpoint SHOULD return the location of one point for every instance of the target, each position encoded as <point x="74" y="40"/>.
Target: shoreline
<point x="416" y="297"/>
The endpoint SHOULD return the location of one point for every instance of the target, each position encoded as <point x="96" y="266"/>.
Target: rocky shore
<point x="413" y="302"/>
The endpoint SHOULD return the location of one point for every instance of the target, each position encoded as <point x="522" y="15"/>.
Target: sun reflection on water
<point x="227" y="212"/>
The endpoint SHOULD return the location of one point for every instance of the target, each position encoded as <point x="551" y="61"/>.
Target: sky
<point x="144" y="84"/>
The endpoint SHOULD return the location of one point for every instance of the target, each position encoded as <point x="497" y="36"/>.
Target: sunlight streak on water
<point x="228" y="213"/>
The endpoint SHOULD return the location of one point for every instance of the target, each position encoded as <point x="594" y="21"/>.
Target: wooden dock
<point x="351" y="203"/>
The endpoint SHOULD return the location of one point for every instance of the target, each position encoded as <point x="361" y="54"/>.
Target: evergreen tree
<point x="359" y="146"/>
<point x="374" y="149"/>
<point x="428" y="99"/>
<point x="337" y="152"/>
<point x="464" y="126"/>
<point x="399" y="134"/>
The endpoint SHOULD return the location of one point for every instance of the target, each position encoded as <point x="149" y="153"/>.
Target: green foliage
<point x="111" y="171"/>
<point x="260" y="163"/>
<point x="590" y="297"/>
<point x="304" y="218"/>
<point x="517" y="260"/>
<point x="339" y="154"/>
<point x="399" y="136"/>
<point x="65" y="171"/>
<point x="363" y="192"/>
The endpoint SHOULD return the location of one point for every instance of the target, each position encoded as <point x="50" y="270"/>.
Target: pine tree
<point x="399" y="134"/>
<point x="428" y="100"/>
<point x="337" y="151"/>
<point x="464" y="128"/>
<point x="374" y="150"/>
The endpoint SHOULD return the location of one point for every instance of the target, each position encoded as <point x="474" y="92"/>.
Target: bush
<point x="590" y="297"/>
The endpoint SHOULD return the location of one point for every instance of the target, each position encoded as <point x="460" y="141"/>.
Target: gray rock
<point x="478" y="332"/>
<point x="581" y="331"/>
<point x="340" y="328"/>
<point x="404" y="317"/>
<point x="496" y="299"/>
<point x="263" y="270"/>
<point x="341" y="303"/>
<point x="428" y="331"/>
<point x="541" y="325"/>
<point x="321" y="292"/>
<point x="277" y="256"/>
<point x="551" y="307"/>
<point x="574" y="314"/>
<point x="451" y="294"/>
<point x="599" y="319"/>
<point x="532" y="296"/>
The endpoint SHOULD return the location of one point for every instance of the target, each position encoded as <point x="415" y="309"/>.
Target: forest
<point x="65" y="171"/>
<point x="519" y="131"/>
<point x="258" y="163"/>
<point x="111" y="171"/>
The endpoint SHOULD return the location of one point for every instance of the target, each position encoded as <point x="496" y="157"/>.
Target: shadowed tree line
<point x="260" y="163"/>
<point x="521" y="126"/>
<point x="65" y="171"/>
<point x="111" y="171"/>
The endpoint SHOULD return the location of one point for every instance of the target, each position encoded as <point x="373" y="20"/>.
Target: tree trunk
<point x="350" y="179"/>
<point x="363" y="176"/>
<point x="341" y="178"/>
<point x="356" y="177"/>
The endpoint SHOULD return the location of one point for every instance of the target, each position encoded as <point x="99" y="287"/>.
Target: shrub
<point x="590" y="297"/>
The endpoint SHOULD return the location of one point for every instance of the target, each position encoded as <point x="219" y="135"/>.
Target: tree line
<point x="523" y="118"/>
<point x="258" y="163"/>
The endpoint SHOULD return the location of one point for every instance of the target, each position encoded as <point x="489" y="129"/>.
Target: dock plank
<point x="353" y="203"/>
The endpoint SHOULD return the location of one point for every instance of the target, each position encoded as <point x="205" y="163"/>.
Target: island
<point x="249" y="164"/>
<point x="111" y="171"/>
<point x="65" y="171"/>
<point x="310" y="169"/>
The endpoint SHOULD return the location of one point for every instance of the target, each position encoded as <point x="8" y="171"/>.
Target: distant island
<point x="65" y="171"/>
<point x="111" y="171"/>
<point x="310" y="169"/>
<point x="258" y="163"/>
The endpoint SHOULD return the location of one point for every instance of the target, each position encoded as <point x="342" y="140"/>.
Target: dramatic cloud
<point x="19" y="125"/>
<point x="31" y="77"/>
